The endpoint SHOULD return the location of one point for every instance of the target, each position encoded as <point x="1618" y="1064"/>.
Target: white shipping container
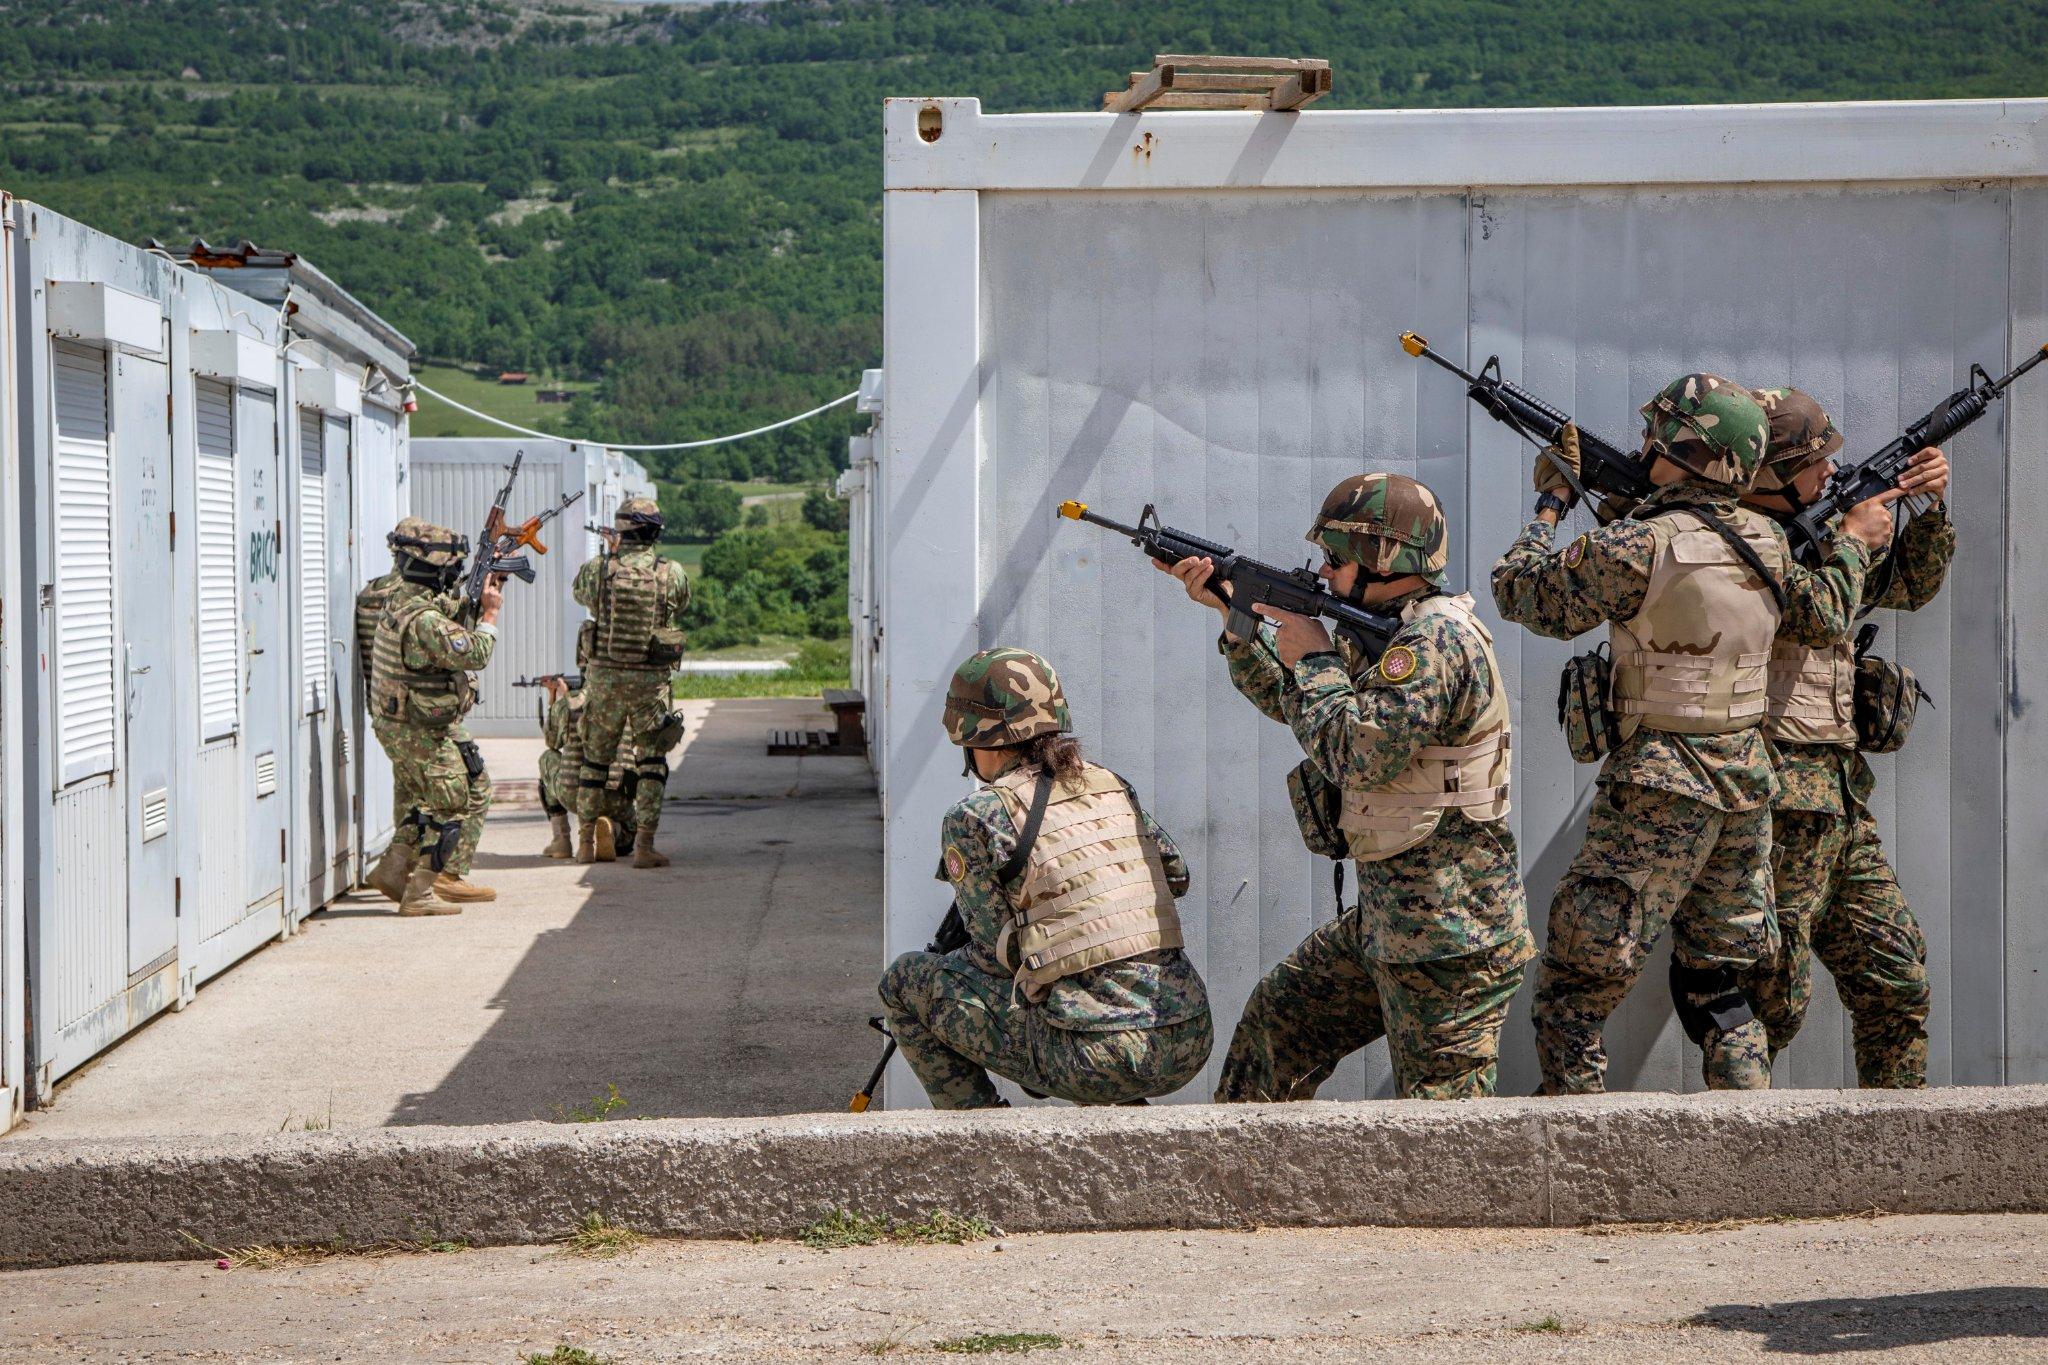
<point x="1201" y="310"/>
<point x="13" y="896"/>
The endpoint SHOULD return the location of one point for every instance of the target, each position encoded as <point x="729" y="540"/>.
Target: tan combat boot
<point x="586" y="841"/>
<point x="644" y="852"/>
<point x="607" y="842"/>
<point x="387" y="878"/>
<point x="450" y="887"/>
<point x="558" y="847"/>
<point x="419" y="898"/>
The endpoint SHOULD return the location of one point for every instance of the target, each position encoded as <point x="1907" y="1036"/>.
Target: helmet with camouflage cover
<point x="1709" y="426"/>
<point x="1387" y="522"/>
<point x="638" y="514"/>
<point x="419" y="540"/>
<point x="1802" y="435"/>
<point x="1004" y="696"/>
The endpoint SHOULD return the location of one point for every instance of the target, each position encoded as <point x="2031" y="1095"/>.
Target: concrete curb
<point x="1620" y="1158"/>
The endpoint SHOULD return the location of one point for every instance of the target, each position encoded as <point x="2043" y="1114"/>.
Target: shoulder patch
<point x="459" y="643"/>
<point x="1397" y="665"/>
<point x="955" y="863"/>
<point x="1575" y="552"/>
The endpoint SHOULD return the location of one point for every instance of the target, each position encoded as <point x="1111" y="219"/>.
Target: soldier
<point x="1072" y="981"/>
<point x="1695" y="587"/>
<point x="636" y="599"/>
<point x="1838" y="898"/>
<point x="388" y="876"/>
<point x="1407" y="774"/>
<point x="420" y="688"/>
<point x="561" y="766"/>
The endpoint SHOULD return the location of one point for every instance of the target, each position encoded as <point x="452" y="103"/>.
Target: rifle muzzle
<point x="1073" y="511"/>
<point x="1413" y="343"/>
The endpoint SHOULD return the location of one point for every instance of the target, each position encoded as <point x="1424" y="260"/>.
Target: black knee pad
<point x="550" y="805"/>
<point x="1708" y="999"/>
<point x="472" y="758"/>
<point x="653" y="770"/>
<point x="588" y="776"/>
<point x="442" y="840"/>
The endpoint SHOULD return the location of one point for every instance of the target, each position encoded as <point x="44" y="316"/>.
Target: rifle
<point x="952" y="937"/>
<point x="1604" y="468"/>
<point x="497" y="548"/>
<point x="1251" y="583"/>
<point x="571" y="680"/>
<point x="1881" y="472"/>
<point x="609" y="534"/>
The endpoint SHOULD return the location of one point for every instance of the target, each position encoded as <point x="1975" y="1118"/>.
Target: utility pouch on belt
<point x="667" y="736"/>
<point x="1583" y="708"/>
<point x="665" y="645"/>
<point x="586" y="643"/>
<point x="1318" y="802"/>
<point x="1888" y="696"/>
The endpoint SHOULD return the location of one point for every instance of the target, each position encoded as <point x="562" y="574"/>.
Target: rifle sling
<point x="1028" y="836"/>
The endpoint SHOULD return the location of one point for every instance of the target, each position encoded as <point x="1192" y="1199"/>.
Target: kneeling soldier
<point x="1072" y="982"/>
<point x="561" y="769"/>
<point x="420" y="688"/>
<point x="1407" y="774"/>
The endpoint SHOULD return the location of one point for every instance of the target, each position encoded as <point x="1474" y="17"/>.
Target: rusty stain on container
<point x="1143" y="147"/>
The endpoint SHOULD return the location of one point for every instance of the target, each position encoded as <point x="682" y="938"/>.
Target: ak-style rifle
<point x="497" y="549"/>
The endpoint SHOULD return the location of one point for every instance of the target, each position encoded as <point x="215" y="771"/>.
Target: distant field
<point x="513" y="402"/>
<point x="688" y="553"/>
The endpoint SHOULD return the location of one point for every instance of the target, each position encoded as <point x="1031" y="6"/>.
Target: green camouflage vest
<point x="635" y="599"/>
<point x="370" y="604"/>
<point x="432" y="697"/>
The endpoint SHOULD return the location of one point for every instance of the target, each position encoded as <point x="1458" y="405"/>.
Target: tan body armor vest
<point x="1472" y="777"/>
<point x="370" y="604"/>
<point x="415" y="696"/>
<point x="1694" y="660"/>
<point x="1812" y="696"/>
<point x="1093" y="890"/>
<point x="633" y="601"/>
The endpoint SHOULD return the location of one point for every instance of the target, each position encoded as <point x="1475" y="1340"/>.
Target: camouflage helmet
<point x="1004" y="696"/>
<point x="635" y="513"/>
<point x="1802" y="435"/>
<point x="417" y="539"/>
<point x="1387" y="522"/>
<point x="1710" y="426"/>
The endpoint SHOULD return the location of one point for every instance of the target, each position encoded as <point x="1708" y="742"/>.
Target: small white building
<point x="1201" y="310"/>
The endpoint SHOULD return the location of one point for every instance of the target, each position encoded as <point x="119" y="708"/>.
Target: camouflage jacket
<point x="584" y="589"/>
<point x="1458" y="891"/>
<point x="1147" y="991"/>
<point x="1567" y="594"/>
<point x="1830" y="778"/>
<point x="434" y="641"/>
<point x="563" y="718"/>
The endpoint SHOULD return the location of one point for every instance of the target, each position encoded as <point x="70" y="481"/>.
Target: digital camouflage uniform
<point x="1679" y="833"/>
<point x="434" y="759"/>
<point x="627" y="700"/>
<point x="1838" y="898"/>
<point x="1112" y="1034"/>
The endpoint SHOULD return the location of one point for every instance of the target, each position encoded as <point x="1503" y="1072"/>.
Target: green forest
<point x="677" y="210"/>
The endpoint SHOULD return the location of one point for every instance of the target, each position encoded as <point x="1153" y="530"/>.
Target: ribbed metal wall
<point x="1229" y="357"/>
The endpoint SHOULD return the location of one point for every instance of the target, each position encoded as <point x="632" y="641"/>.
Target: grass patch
<point x="595" y="1236"/>
<point x="512" y="402"/>
<point x="566" y="1354"/>
<point x="999" y="1343"/>
<point x="711" y="686"/>
<point x="1549" y="1324"/>
<point x="840" y="1228"/>
<point x="598" y="1109"/>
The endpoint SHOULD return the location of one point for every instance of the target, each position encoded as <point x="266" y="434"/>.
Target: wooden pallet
<point x="1180" y="81"/>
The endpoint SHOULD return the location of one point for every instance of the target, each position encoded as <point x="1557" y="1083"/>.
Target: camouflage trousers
<point x="561" y="769"/>
<point x="432" y="773"/>
<point x="956" y="1023"/>
<point x="623" y="708"/>
<point x="1839" y="900"/>
<point x="1653" y="860"/>
<point x="1327" y="999"/>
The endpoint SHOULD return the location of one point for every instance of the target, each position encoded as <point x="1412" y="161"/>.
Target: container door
<point x="316" y="674"/>
<point x="379" y="495"/>
<point x="342" y="715"/>
<point x="265" y="660"/>
<point x="82" y="958"/>
<point x="142" y="454"/>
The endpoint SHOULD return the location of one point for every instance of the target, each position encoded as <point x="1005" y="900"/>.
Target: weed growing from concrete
<point x="597" y="1110"/>
<point x="566" y="1354"/>
<point x="999" y="1343"/>
<point x="1694" y="1225"/>
<point x="596" y="1236"/>
<point x="1549" y="1324"/>
<point x="840" y="1228"/>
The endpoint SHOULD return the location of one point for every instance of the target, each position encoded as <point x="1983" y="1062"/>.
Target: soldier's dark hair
<point x="1059" y="755"/>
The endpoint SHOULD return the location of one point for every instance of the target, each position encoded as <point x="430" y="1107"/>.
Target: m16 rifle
<point x="497" y="549"/>
<point x="1880" y="473"/>
<point x="951" y="937"/>
<point x="1606" y="472"/>
<point x="1249" y="582"/>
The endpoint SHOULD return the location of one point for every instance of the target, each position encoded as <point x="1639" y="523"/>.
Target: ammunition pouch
<point x="1708" y="1000"/>
<point x="472" y="758"/>
<point x="1583" y="707"/>
<point x="1887" y="697"/>
<point x="667" y="734"/>
<point x="1318" y="805"/>
<point x="665" y="646"/>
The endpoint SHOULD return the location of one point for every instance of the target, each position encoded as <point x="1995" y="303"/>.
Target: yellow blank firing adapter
<point x="1413" y="344"/>
<point x="1072" y="510"/>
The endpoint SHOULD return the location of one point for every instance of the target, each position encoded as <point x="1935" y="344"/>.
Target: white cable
<point x="610" y="445"/>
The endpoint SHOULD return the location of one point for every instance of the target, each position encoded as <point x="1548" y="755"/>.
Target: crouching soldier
<point x="420" y="688"/>
<point x="1072" y="982"/>
<point x="1407" y="773"/>
<point x="561" y="767"/>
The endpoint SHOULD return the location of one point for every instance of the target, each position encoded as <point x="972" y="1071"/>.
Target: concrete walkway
<point x="735" y="982"/>
<point x="1892" y="1289"/>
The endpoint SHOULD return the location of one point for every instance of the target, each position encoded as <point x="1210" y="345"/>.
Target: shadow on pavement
<point x="1886" y="1322"/>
